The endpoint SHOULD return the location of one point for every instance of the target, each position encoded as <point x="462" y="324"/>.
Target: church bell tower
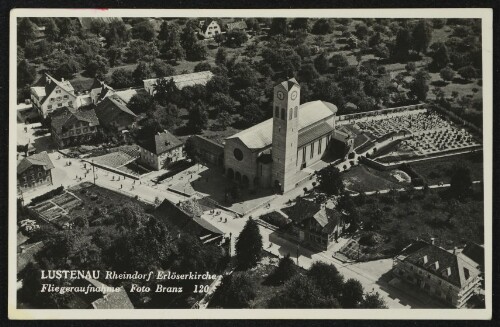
<point x="285" y="134"/>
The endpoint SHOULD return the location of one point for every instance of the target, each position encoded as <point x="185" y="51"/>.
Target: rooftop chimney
<point x="62" y="79"/>
<point x="448" y="271"/>
<point x="425" y="259"/>
<point x="455" y="250"/>
<point x="433" y="240"/>
<point x="436" y="265"/>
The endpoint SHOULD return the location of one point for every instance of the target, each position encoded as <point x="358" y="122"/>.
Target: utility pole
<point x="298" y="246"/>
<point x="93" y="170"/>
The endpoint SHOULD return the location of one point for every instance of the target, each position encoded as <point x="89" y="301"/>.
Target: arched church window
<point x="283" y="114"/>
<point x="296" y="110"/>
<point x="290" y="116"/>
<point x="276" y="111"/>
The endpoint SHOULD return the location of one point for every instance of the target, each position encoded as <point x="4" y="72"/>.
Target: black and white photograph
<point x="251" y="160"/>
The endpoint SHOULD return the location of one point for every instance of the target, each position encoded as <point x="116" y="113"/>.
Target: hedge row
<point x="275" y="219"/>
<point x="46" y="196"/>
<point x="416" y="178"/>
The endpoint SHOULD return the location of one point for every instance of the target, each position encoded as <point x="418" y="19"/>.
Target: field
<point x="438" y="170"/>
<point x="365" y="179"/>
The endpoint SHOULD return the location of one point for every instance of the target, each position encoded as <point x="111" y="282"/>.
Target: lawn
<point x="364" y="179"/>
<point x="438" y="170"/>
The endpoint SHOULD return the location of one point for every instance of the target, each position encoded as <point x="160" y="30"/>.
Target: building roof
<point x="206" y="24"/>
<point x="127" y="94"/>
<point x="46" y="84"/>
<point x="114" y="110"/>
<point x="475" y="252"/>
<point x="181" y="81"/>
<point x="455" y="268"/>
<point x="301" y="210"/>
<point x="160" y="142"/>
<point x="173" y="214"/>
<point x="86" y="22"/>
<point x="239" y="25"/>
<point x="260" y="136"/>
<point x="313" y="133"/>
<point x="68" y="118"/>
<point x="207" y="145"/>
<point x="37" y="159"/>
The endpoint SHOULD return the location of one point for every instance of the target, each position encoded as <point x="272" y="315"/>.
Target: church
<point x="276" y="153"/>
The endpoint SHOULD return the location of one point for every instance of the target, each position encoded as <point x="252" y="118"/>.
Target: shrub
<point x="48" y="195"/>
<point x="275" y="219"/>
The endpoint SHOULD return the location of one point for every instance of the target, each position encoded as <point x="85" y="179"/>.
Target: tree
<point x="402" y="46"/>
<point x="243" y="76"/>
<point x="235" y="291"/>
<point x="51" y="30"/>
<point x="303" y="51"/>
<point x="410" y="67"/>
<point x="219" y="39"/>
<point x="461" y="181"/>
<point x="329" y="180"/>
<point x="236" y="38"/>
<point x="25" y="31"/>
<point x="26" y="73"/>
<point x="467" y="72"/>
<point x="221" y="56"/>
<point x="278" y="26"/>
<point x="224" y="120"/>
<point x="116" y="34"/>
<point x="122" y="78"/>
<point x="352" y="294"/>
<point x="162" y="69"/>
<point x="308" y="73"/>
<point x="223" y="103"/>
<point x="197" y="52"/>
<point x="114" y="55"/>
<point x="285" y="271"/>
<point x="141" y="50"/>
<point x="373" y="301"/>
<point x="301" y="292"/>
<point x="327" y="278"/>
<point x="420" y="86"/>
<point x="440" y="56"/>
<point x="300" y="24"/>
<point x="144" y="31"/>
<point x="321" y="63"/>
<point x="338" y="61"/>
<point x="361" y="31"/>
<point x="322" y="26"/>
<point x="421" y="36"/>
<point x="218" y="84"/>
<point x="190" y="44"/>
<point x="141" y="72"/>
<point x="170" y="37"/>
<point x="447" y="74"/>
<point x="249" y="245"/>
<point x="198" y="117"/>
<point x="67" y="69"/>
<point x="202" y="66"/>
<point x="97" y="67"/>
<point x="251" y="114"/>
<point x="141" y="102"/>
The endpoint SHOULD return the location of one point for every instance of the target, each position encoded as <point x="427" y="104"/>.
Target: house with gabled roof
<point x="99" y="296"/>
<point x="74" y="127"/>
<point x="449" y="276"/>
<point x="209" y="28"/>
<point x="172" y="215"/>
<point x="34" y="171"/>
<point x="49" y="94"/>
<point x="113" y="113"/>
<point x="160" y="149"/>
<point x="240" y="25"/>
<point x="318" y="225"/>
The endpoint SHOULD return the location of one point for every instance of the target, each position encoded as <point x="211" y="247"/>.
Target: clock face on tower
<point x="281" y="96"/>
<point x="294" y="95"/>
